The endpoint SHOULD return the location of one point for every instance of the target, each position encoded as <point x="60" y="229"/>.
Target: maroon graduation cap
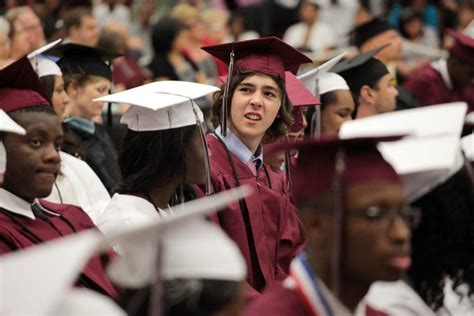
<point x="463" y="48"/>
<point x="268" y="55"/>
<point x="20" y="87"/>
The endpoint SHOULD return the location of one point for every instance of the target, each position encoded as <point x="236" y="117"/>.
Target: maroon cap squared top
<point x="268" y="55"/>
<point x="20" y="87"/>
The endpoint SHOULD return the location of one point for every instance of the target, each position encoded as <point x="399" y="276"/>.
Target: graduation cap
<point x="81" y="59"/>
<point x="319" y="81"/>
<point x="183" y="246"/>
<point x="362" y="70"/>
<point x="10" y="126"/>
<point x="467" y="144"/>
<point x="431" y="152"/>
<point x="330" y="164"/>
<point x="42" y="65"/>
<point x="366" y="31"/>
<point x="268" y="55"/>
<point x="165" y="105"/>
<point x="20" y="87"/>
<point x="463" y="47"/>
<point x="36" y="280"/>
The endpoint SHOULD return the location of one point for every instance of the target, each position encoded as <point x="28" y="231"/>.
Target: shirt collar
<point x="82" y="124"/>
<point x="235" y="145"/>
<point x="17" y="205"/>
<point x="441" y="66"/>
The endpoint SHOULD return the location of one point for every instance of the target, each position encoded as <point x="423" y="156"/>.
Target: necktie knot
<point x="38" y="212"/>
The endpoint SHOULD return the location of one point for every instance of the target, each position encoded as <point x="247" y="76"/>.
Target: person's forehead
<point x="261" y="79"/>
<point x="364" y="193"/>
<point x="28" y="17"/>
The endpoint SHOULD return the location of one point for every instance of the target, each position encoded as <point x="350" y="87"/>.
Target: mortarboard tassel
<point x="226" y="96"/>
<point x="288" y="166"/>
<point x="339" y="223"/>
<point x="315" y="128"/>
<point x="207" y="161"/>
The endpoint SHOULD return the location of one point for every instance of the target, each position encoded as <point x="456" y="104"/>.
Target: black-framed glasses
<point x="386" y="216"/>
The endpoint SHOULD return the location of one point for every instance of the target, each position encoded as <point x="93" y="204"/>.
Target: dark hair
<point x="198" y="297"/>
<point x="42" y="108"/>
<point x="153" y="158"/>
<point x="73" y="17"/>
<point x="48" y="84"/>
<point x="112" y="41"/>
<point x="406" y="16"/>
<point x="279" y="127"/>
<point x="81" y="78"/>
<point x="163" y="35"/>
<point x="443" y="243"/>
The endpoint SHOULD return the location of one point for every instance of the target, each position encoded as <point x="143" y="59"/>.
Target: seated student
<point x="370" y="83"/>
<point x="352" y="205"/>
<point x="76" y="183"/>
<point x="447" y="79"/>
<point x="337" y="103"/>
<point x="88" y="76"/>
<point x="442" y="274"/>
<point x="25" y="220"/>
<point x="164" y="151"/>
<point x="256" y="111"/>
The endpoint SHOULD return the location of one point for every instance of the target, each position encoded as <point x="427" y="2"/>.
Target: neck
<point x="252" y="143"/>
<point x="161" y="196"/>
<point x="351" y="291"/>
<point x="72" y="110"/>
<point x="365" y="110"/>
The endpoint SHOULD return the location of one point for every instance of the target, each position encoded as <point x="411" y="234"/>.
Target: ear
<point x="367" y="94"/>
<point x="73" y="89"/>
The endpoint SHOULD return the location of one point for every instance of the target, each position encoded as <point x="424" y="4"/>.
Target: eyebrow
<point x="266" y="87"/>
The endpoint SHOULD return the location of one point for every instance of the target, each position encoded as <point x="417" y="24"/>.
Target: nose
<point x="51" y="154"/>
<point x="399" y="232"/>
<point x="256" y="100"/>
<point x="395" y="91"/>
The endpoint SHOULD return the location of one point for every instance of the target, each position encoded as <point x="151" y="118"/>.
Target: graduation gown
<point x="77" y="184"/>
<point x="14" y="236"/>
<point x="272" y="233"/>
<point x="429" y="87"/>
<point x="301" y="294"/>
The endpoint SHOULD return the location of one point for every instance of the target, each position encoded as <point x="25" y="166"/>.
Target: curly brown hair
<point x="282" y="122"/>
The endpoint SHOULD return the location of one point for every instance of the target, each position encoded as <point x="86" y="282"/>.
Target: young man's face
<point x="385" y="95"/>
<point x="376" y="248"/>
<point x="33" y="159"/>
<point x="88" y="32"/>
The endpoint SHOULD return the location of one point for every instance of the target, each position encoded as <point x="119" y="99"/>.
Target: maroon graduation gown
<point x="14" y="237"/>
<point x="429" y="88"/>
<point x="280" y="301"/>
<point x="274" y="221"/>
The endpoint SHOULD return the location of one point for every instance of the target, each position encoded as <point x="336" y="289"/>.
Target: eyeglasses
<point x="385" y="217"/>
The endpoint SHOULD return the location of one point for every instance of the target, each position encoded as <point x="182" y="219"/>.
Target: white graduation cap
<point x="467" y="143"/>
<point x="190" y="247"/>
<point x="35" y="280"/>
<point x="165" y="105"/>
<point x="161" y="105"/>
<point x="44" y="66"/>
<point x="429" y="155"/>
<point x="319" y="80"/>
<point x="10" y="126"/>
